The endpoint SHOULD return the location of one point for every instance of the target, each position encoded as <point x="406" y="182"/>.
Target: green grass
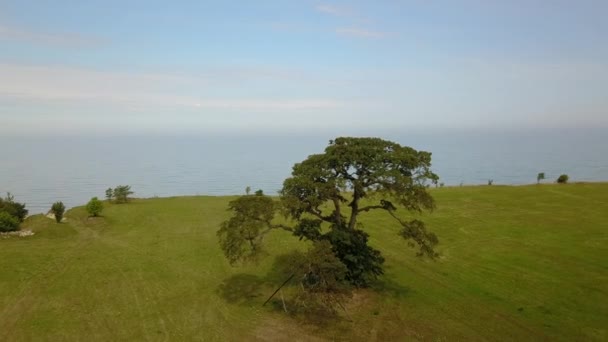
<point x="519" y="263"/>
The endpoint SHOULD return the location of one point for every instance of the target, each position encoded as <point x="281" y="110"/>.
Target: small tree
<point x="109" y="194"/>
<point x="490" y="181"/>
<point x="247" y="190"/>
<point x="94" y="207"/>
<point x="58" y="209"/>
<point x="562" y="179"/>
<point x="121" y="193"/>
<point x="8" y="223"/>
<point x="539" y="177"/>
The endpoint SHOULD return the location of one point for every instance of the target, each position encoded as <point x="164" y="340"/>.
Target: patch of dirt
<point x="275" y="329"/>
<point x="52" y="217"/>
<point x="362" y="298"/>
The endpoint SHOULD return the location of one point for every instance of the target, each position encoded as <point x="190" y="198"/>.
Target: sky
<point x="103" y="67"/>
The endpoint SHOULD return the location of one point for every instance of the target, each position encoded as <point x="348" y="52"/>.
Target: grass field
<point x="518" y="263"/>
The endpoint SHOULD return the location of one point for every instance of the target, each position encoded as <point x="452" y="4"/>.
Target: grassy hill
<point x="519" y="263"/>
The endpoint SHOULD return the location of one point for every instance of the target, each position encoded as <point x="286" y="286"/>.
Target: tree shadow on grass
<point x="253" y="290"/>
<point x="388" y="286"/>
<point x="243" y="289"/>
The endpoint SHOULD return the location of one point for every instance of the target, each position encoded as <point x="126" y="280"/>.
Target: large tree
<point x="327" y="193"/>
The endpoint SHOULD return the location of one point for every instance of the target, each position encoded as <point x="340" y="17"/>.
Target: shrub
<point x="109" y="194"/>
<point x="15" y="209"/>
<point x="94" y="207"/>
<point x="540" y="176"/>
<point x="490" y="181"/>
<point x="122" y="193"/>
<point x="563" y="179"/>
<point x="441" y="185"/>
<point x="8" y="223"/>
<point x="58" y="209"/>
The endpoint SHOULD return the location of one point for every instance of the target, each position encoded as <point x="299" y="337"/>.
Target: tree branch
<point x="320" y="216"/>
<point x="272" y="227"/>
<point x="397" y="218"/>
<point x="371" y="207"/>
<point x="338" y="216"/>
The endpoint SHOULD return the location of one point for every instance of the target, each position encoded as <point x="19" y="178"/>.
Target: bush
<point x="562" y="179"/>
<point x="490" y="181"/>
<point x="94" y="207"/>
<point x="15" y="209"/>
<point x="8" y="223"/>
<point x="58" y="209"/>
<point x="109" y="194"/>
<point x="540" y="176"/>
<point x="122" y="193"/>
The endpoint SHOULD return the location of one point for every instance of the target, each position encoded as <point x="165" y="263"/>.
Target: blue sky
<point x="198" y="66"/>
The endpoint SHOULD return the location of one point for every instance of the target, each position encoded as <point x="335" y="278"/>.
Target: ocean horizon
<point x="72" y="169"/>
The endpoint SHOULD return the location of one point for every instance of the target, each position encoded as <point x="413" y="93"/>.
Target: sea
<point x="72" y="169"/>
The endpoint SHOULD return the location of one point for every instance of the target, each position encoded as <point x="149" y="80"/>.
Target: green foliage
<point x="416" y="231"/>
<point x="384" y="173"/>
<point x="109" y="194"/>
<point x="540" y="176"/>
<point x="94" y="207"/>
<point x="15" y="209"/>
<point x="363" y="262"/>
<point x="247" y="190"/>
<point x="562" y="179"/>
<point x="259" y="192"/>
<point x="58" y="209"/>
<point x="241" y="236"/>
<point x="121" y="193"/>
<point x="8" y="222"/>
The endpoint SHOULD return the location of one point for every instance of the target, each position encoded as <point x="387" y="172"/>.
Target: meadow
<point x="517" y="263"/>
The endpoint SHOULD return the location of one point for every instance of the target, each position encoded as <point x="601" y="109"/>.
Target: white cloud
<point x="360" y="33"/>
<point x="139" y="91"/>
<point x="354" y="18"/>
<point x="9" y="33"/>
<point x="333" y="10"/>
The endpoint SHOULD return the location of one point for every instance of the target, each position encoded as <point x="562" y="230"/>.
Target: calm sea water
<point x="40" y="171"/>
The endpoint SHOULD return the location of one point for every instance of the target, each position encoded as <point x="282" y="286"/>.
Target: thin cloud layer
<point x="354" y="31"/>
<point x="333" y="10"/>
<point x="360" y="33"/>
<point x="138" y="90"/>
<point x="325" y="63"/>
<point x="72" y="40"/>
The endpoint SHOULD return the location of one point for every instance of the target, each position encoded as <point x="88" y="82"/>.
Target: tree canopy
<point x="120" y="193"/>
<point x="327" y="193"/>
